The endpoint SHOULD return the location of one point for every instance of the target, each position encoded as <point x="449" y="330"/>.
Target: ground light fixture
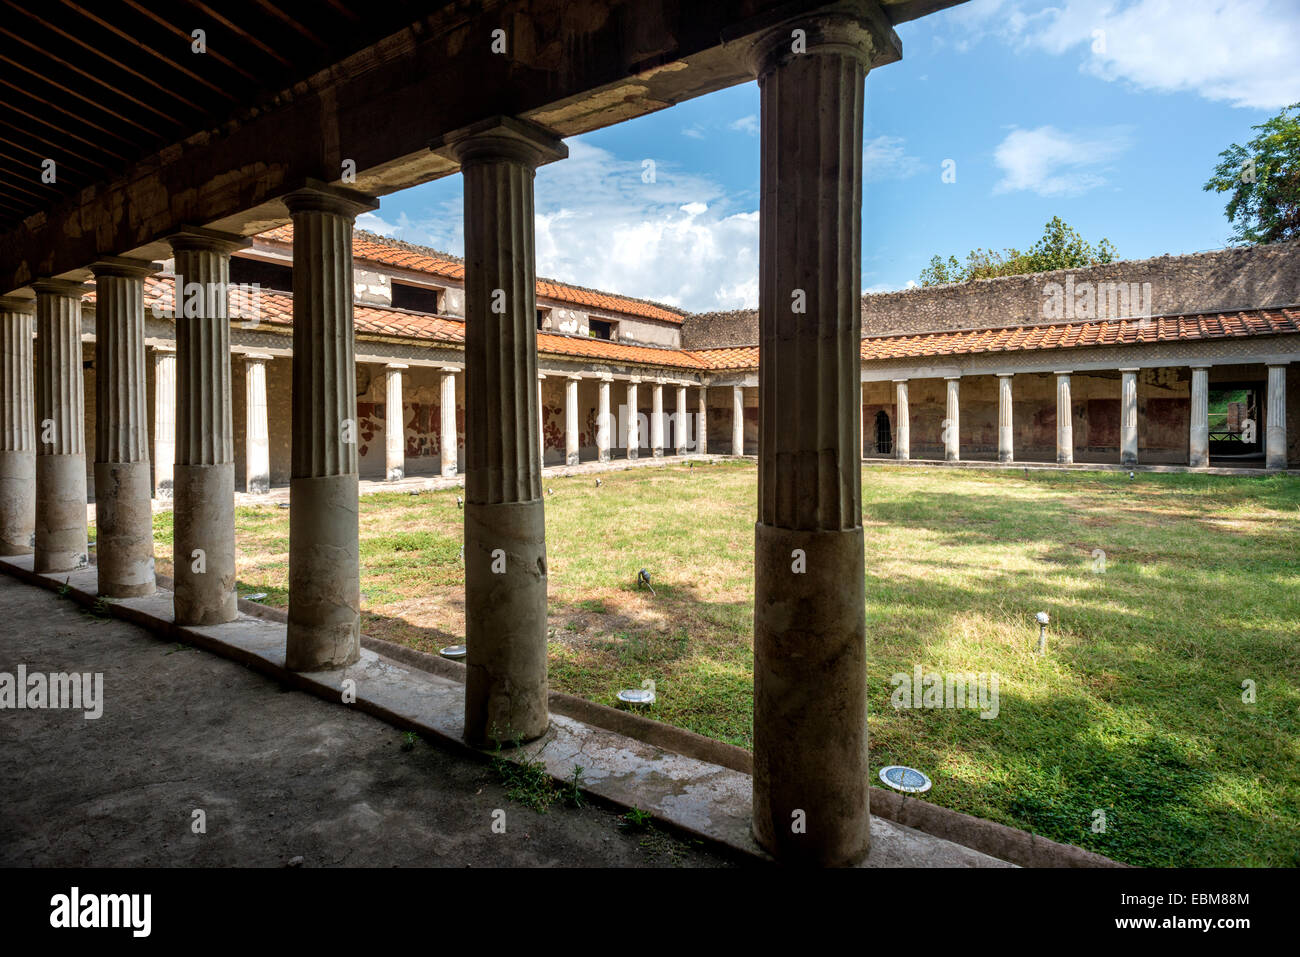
<point x="598" y="483"/>
<point x="453" y="652"/>
<point x="907" y="780"/>
<point x="1042" y="632"/>
<point x="637" y="697"/>
<point x="256" y="596"/>
<point x="460" y="502"/>
<point x="643" y="578"/>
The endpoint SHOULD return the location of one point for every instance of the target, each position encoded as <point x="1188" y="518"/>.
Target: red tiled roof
<point x="429" y="261"/>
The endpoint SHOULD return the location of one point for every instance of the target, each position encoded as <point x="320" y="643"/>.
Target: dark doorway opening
<point x="884" y="435"/>
<point x="1236" y="430"/>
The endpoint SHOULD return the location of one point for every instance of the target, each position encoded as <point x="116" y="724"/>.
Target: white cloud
<point x="694" y="132"/>
<point x="885" y="157"/>
<point x="1050" y="162"/>
<point x="746" y="124"/>
<point x="1243" y="52"/>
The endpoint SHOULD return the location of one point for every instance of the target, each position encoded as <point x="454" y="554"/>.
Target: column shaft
<point x="682" y="427"/>
<point x="17" y="428"/>
<point x="702" y="426"/>
<point x="203" y="547"/>
<point x="124" y="556"/>
<point x="60" y="543"/>
<point x="447" y="411"/>
<point x="810" y="706"/>
<point x="1064" y="420"/>
<point x="541" y="421"/>
<point x="1198" y="442"/>
<point x="604" y="422"/>
<point x="571" y="421"/>
<point x="1128" y="411"/>
<point x="633" y="422"/>
<point x="324" y="563"/>
<point x="902" y="422"/>
<point x="164" y="421"/>
<point x="1275" y="452"/>
<point x="737" y="420"/>
<point x="257" y="430"/>
<point x="1005" y="430"/>
<point x="952" y="422"/>
<point x="505" y="522"/>
<point x="657" y="420"/>
<point x="394" y="425"/>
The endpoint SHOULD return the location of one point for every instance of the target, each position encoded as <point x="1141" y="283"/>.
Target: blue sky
<point x="1108" y="113"/>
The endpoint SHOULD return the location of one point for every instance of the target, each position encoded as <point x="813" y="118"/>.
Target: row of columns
<point x="1275" y="452"/>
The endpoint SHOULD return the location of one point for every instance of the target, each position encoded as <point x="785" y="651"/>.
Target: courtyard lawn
<point x="1130" y="737"/>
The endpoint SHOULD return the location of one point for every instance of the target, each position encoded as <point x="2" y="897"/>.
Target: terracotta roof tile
<point x="376" y="249"/>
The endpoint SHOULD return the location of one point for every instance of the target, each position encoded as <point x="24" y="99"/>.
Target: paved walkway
<point x="279" y="774"/>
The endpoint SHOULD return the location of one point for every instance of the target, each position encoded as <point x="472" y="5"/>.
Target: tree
<point x="1264" y="179"/>
<point x="1060" y="247"/>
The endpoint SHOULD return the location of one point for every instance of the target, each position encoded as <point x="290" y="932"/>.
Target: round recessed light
<point x="256" y="596"/>
<point x="454" y="652"/>
<point x="908" y="780"/>
<point x="638" y="696"/>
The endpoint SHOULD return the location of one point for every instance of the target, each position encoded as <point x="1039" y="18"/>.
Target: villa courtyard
<point x="1160" y="728"/>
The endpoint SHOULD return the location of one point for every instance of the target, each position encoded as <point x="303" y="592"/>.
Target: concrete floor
<point x="279" y="774"/>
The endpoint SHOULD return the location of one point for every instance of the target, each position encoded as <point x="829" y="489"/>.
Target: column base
<point x="602" y="456"/>
<point x="17" y="502"/>
<point x="631" y="453"/>
<point x="810" y="697"/>
<point x="951" y="457"/>
<point x="448" y="470"/>
<point x="324" y="574"/>
<point x="571" y="458"/>
<point x="124" y="558"/>
<point x="60" y="533"/>
<point x="204" y="522"/>
<point x="1006" y="458"/>
<point x="395" y="475"/>
<point x="1129" y="459"/>
<point x="259" y="484"/>
<point x="505" y="616"/>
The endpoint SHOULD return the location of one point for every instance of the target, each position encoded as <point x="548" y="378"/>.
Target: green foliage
<point x="636" y="820"/>
<point x="1263" y="178"/>
<point x="1060" y="247"/>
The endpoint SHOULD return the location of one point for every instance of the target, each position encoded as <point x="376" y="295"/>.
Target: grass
<point x="1136" y="711"/>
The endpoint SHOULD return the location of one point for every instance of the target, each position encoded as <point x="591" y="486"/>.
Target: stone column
<point x="17" y="428"/>
<point x="1198" y="442"/>
<point x="541" y="421"/>
<point x="164" y="420"/>
<point x="124" y="559"/>
<point x="737" y="420"/>
<point x="571" y="420"/>
<point x="1275" y="434"/>
<point x="903" y="423"/>
<point x="702" y="427"/>
<point x="633" y="421"/>
<point x="952" y="421"/>
<point x="505" y="525"/>
<point x="203" y="547"/>
<point x="394" y="423"/>
<point x="604" y="422"/>
<point x="681" y="432"/>
<point x="447" y="413"/>
<point x="60" y="543"/>
<point x="257" y="431"/>
<point x="324" y="628"/>
<point x="657" y="420"/>
<point x="1006" y="434"/>
<point x="862" y="420"/>
<point x="1064" y="420"/>
<point x="1128" y="418"/>
<point x="811" y="771"/>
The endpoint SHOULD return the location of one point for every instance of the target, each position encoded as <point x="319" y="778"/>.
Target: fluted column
<point x="737" y="420"/>
<point x="1198" y="441"/>
<point x="324" y="629"/>
<point x="702" y="426"/>
<point x="862" y="420"/>
<point x="1128" y="417"/>
<point x="204" y="514"/>
<point x="257" y="431"/>
<point x="1064" y="420"/>
<point x="657" y="420"/>
<point x="394" y="423"/>
<point x="505" y="525"/>
<point x="124" y="558"/>
<point x="17" y="428"/>
<point x="1275" y="456"/>
<point x="633" y="421"/>
<point x="571" y="420"/>
<point x="604" y="422"/>
<point x="681" y="431"/>
<point x="952" y="421"/>
<point x="164" y="421"/>
<point x="541" y="421"/>
<point x="903" y="422"/>
<point x="60" y="428"/>
<point x="447" y="412"/>
<point x="810" y="706"/>
<point x="1005" y="430"/>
